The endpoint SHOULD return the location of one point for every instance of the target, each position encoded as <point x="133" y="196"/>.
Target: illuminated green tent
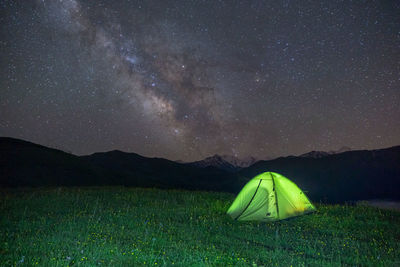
<point x="269" y="197"/>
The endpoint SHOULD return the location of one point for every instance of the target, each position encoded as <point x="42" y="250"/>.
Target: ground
<point x="117" y="226"/>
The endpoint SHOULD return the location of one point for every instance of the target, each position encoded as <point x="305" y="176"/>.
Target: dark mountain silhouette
<point x="24" y="163"/>
<point x="321" y="154"/>
<point x="134" y="170"/>
<point x="341" y="150"/>
<point x="315" y="154"/>
<point x="346" y="176"/>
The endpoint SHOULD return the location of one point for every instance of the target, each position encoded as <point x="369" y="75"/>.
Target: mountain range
<point x="24" y="163"/>
<point x="321" y="154"/>
<point x="332" y="177"/>
<point x="225" y="162"/>
<point x="232" y="164"/>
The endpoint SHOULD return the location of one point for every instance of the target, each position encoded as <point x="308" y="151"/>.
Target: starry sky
<point x="189" y="79"/>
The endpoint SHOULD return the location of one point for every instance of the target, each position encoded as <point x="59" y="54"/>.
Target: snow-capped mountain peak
<point x="241" y="163"/>
<point x="225" y="162"/>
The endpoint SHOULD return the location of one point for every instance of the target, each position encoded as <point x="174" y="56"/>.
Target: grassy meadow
<point x="117" y="226"/>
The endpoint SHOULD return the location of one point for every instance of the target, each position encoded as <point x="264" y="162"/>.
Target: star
<point x="264" y="80"/>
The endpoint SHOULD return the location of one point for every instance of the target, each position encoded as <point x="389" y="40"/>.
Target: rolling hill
<point x="351" y="175"/>
<point x="24" y="164"/>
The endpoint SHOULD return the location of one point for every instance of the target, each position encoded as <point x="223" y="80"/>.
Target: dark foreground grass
<point x="131" y="227"/>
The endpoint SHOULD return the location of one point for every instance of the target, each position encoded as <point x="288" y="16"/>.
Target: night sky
<point x="189" y="79"/>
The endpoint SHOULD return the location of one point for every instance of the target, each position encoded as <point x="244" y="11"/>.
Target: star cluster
<point x="188" y="79"/>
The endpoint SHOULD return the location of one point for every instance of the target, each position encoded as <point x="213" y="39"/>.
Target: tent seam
<point x="249" y="201"/>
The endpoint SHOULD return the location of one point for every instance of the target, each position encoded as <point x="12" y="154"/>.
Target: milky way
<point x="188" y="79"/>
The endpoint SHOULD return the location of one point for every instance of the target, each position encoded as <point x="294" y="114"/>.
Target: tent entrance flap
<point x="273" y="189"/>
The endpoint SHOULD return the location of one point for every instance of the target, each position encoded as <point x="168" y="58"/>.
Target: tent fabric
<point x="269" y="196"/>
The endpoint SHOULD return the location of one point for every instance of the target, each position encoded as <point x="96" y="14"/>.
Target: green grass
<point x="116" y="226"/>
